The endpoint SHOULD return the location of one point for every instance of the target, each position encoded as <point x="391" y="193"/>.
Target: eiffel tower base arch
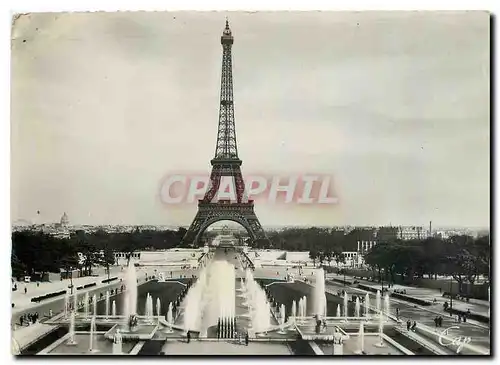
<point x="209" y="213"/>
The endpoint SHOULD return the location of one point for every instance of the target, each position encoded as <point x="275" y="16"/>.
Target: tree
<point x="91" y="255"/>
<point x="68" y="259"/>
<point x="108" y="258"/>
<point x="313" y="255"/>
<point x="460" y="260"/>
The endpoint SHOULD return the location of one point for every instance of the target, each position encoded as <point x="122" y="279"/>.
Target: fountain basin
<point x="140" y="333"/>
<point x="104" y="346"/>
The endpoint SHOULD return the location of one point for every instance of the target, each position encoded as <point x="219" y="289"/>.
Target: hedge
<point x="411" y="299"/>
<point x="47" y="296"/>
<point x="465" y="296"/>
<point x="368" y="288"/>
<point x="86" y="286"/>
<point x="340" y="281"/>
<point x="474" y="316"/>
<point x="110" y="279"/>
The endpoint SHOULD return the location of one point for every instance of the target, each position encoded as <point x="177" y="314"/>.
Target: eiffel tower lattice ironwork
<point x="225" y="166"/>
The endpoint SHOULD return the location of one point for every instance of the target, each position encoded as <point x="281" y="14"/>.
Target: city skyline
<point x="102" y="109"/>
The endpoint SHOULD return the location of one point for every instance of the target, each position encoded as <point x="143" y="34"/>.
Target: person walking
<point x="188" y="336"/>
<point x="414" y="326"/>
<point x="436" y="321"/>
<point x="246" y="339"/>
<point x="408" y="325"/>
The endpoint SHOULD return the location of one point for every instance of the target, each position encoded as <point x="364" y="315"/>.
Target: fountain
<point x="66" y="304"/>
<point x="305" y="306"/>
<point x="338" y="311"/>
<point x="361" y="340"/>
<point x="86" y="305"/>
<point x="281" y="319"/>
<point x="117" y="342"/>
<point x="92" y="335"/>
<point x="294" y="311"/>
<point x="150" y="309"/>
<point x="346" y="302"/>
<point x="377" y="301"/>
<point x="75" y="301"/>
<point x="194" y="304"/>
<point x="367" y="305"/>
<point x="94" y="305"/>
<point x="130" y="298"/>
<point x="387" y="305"/>
<point x="158" y="308"/>
<point x="169" y="319"/>
<point x="107" y="306"/>
<point x="257" y="303"/>
<point x="357" y="308"/>
<point x="146" y="306"/>
<point x="380" y="330"/>
<point x="71" y="341"/>
<point x="113" y="309"/>
<point x="319" y="293"/>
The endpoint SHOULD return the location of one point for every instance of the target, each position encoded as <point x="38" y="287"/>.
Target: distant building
<point x="61" y="229"/>
<point x="353" y="259"/>
<point x="121" y="258"/>
<point x="365" y="246"/>
<point x="390" y="233"/>
<point x="412" y="233"/>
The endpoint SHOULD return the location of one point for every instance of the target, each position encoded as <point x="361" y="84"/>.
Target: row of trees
<point x="462" y="257"/>
<point x="315" y="239"/>
<point x="35" y="252"/>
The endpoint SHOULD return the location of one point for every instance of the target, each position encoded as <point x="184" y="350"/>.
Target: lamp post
<point x="382" y="282"/>
<point x="451" y="293"/>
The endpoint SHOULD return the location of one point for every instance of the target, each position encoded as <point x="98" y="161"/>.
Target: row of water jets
<point x="130" y="307"/>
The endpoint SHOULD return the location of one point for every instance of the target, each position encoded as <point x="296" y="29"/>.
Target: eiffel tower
<point x="225" y="166"/>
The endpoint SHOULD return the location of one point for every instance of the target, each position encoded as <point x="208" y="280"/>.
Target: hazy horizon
<point x="394" y="105"/>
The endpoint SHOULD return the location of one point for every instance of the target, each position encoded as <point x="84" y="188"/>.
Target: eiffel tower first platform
<point x="225" y="166"/>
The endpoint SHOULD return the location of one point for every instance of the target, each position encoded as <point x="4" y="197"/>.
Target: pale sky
<point x="395" y="106"/>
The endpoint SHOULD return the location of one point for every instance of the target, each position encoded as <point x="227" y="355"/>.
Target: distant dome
<point x="64" y="220"/>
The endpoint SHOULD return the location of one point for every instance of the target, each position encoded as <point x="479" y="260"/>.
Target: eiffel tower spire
<point x="226" y="135"/>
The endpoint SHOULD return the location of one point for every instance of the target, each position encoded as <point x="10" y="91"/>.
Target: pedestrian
<point x="465" y="318"/>
<point x="188" y="336"/>
<point x="408" y="325"/>
<point x="37" y="284"/>
<point x="21" y="320"/>
<point x="436" y="321"/>
<point x="25" y="290"/>
<point x="246" y="339"/>
<point x="440" y="321"/>
<point x="414" y="326"/>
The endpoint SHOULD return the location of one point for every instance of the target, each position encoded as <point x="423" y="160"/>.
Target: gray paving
<point x="222" y="347"/>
